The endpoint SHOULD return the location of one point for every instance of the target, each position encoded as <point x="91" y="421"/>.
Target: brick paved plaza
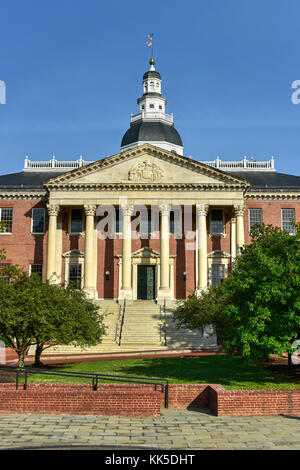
<point x="175" y="429"/>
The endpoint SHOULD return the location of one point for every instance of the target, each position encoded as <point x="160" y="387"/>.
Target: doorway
<point x="146" y="282"/>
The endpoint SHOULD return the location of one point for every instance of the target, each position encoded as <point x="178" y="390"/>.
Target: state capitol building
<point x="144" y="228"/>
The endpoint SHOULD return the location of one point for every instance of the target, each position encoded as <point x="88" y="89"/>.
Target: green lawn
<point x="228" y="371"/>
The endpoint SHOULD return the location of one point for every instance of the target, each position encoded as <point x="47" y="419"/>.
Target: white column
<point x="89" y="250"/>
<point x="53" y="211"/>
<point x="201" y="213"/>
<point x="164" y="288"/>
<point x="126" y="288"/>
<point x="240" y="235"/>
<point x="233" y="238"/>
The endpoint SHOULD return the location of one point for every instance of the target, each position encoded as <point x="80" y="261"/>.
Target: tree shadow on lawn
<point x="229" y="371"/>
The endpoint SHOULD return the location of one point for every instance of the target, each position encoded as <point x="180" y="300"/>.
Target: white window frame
<point x="217" y="234"/>
<point x="254" y="208"/>
<point x="35" y="264"/>
<point x="70" y="221"/>
<point x="34" y="209"/>
<point x="288" y="209"/>
<point x="6" y="233"/>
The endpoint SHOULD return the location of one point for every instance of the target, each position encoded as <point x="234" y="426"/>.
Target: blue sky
<point x="73" y="71"/>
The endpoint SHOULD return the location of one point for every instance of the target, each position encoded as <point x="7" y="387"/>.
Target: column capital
<point x="238" y="210"/>
<point x="89" y="209"/>
<point x="164" y="209"/>
<point x="127" y="209"/>
<point x="202" y="209"/>
<point x="53" y="209"/>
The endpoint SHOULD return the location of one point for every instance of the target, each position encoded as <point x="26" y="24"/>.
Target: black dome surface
<point x="147" y="131"/>
<point x="151" y="74"/>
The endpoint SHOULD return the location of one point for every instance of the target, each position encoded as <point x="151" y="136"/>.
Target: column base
<point x="126" y="294"/>
<point x="91" y="293"/>
<point x="53" y="278"/>
<point x="164" y="294"/>
<point x="199" y="290"/>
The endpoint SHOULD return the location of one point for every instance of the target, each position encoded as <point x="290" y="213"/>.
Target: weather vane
<point x="150" y="42"/>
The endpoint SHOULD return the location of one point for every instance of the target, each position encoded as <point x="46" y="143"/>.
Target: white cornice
<point x="23" y="195"/>
<point x="272" y="196"/>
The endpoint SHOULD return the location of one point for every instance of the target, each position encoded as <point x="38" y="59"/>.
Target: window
<point x="118" y="221"/>
<point x="175" y="222"/>
<point x="146" y="222"/>
<point x="217" y="274"/>
<point x="255" y="217"/>
<point x="6" y="216"/>
<point x="36" y="269"/>
<point x="75" y="275"/>
<point x="287" y="219"/>
<point x="38" y="221"/>
<point x="76" y="221"/>
<point x="216" y="222"/>
<point x="151" y="106"/>
<point x="160" y="106"/>
<point x="2" y="277"/>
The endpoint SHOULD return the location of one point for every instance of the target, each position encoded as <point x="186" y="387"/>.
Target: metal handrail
<point x="122" y="321"/>
<point x="163" y="383"/>
<point x="118" y="323"/>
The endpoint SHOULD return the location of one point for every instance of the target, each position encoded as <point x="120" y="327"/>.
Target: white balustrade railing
<point x="241" y="165"/>
<point x="151" y="115"/>
<point x="54" y="164"/>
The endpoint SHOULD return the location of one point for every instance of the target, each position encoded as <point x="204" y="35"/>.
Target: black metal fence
<point x="24" y="372"/>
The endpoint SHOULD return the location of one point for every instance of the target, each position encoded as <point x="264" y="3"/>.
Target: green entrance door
<point x="146" y="282"/>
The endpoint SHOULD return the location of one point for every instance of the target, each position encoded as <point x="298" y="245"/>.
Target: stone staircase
<point x="185" y="338"/>
<point x="110" y="309"/>
<point x="142" y="327"/>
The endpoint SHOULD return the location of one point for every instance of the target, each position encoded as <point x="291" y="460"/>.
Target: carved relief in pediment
<point x="146" y="171"/>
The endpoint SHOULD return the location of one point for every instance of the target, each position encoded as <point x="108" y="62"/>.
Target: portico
<point x="196" y="203"/>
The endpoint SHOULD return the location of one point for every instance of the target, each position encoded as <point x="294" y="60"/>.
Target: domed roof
<point x="147" y="131"/>
<point x="151" y="74"/>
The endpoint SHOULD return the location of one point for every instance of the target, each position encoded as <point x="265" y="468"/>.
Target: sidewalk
<point x="175" y="429"/>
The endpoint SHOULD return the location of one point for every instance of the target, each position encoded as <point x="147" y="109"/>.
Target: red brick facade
<point x="24" y="249"/>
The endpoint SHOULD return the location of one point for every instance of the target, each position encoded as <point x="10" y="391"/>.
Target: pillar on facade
<point x="201" y="213"/>
<point x="89" y="259"/>
<point x="164" y="291"/>
<point x="233" y="237"/>
<point x="53" y="211"/>
<point x="126" y="291"/>
<point x="240" y="234"/>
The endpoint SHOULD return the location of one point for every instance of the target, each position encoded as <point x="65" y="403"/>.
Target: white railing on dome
<point x="54" y="164"/>
<point x="152" y="115"/>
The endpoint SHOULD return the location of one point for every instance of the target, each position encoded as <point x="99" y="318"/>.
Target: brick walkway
<point x="175" y="429"/>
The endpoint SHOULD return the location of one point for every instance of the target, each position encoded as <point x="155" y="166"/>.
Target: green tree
<point x="257" y="307"/>
<point x="41" y="313"/>
<point x="196" y="312"/>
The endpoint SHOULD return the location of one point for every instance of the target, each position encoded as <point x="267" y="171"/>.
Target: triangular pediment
<point x="145" y="165"/>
